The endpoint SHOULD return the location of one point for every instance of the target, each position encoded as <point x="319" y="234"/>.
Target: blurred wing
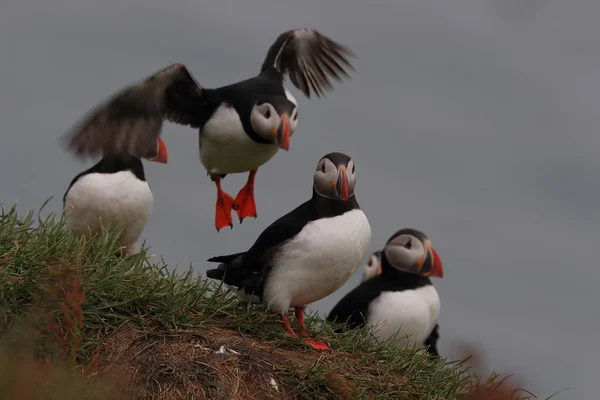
<point x="130" y="120"/>
<point x="309" y="59"/>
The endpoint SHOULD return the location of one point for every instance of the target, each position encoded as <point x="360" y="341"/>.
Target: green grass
<point x="78" y="322"/>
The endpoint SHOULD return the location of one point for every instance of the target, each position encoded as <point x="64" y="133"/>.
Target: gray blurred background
<point x="473" y="120"/>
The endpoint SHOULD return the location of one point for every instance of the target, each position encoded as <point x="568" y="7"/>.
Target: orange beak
<point x="342" y="183"/>
<point x="162" y="155"/>
<point x="437" y="268"/>
<point x="283" y="132"/>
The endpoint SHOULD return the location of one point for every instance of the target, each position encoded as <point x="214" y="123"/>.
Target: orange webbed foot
<point x="245" y="205"/>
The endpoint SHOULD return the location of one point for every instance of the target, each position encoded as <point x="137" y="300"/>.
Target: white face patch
<point x="326" y="178"/>
<point x="404" y="251"/>
<point x="325" y="174"/>
<point x="265" y="120"/>
<point x="351" y="174"/>
<point x="294" y="117"/>
<point x="372" y="268"/>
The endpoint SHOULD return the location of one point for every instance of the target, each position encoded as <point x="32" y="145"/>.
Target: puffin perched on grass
<point x="399" y="299"/>
<point x="308" y="253"/>
<point x="113" y="194"/>
<point x="241" y="125"/>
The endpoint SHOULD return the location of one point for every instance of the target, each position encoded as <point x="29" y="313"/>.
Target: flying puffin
<point x="308" y="253"/>
<point x="241" y="126"/>
<point x="113" y="194"/>
<point x="400" y="300"/>
<point x="373" y="267"/>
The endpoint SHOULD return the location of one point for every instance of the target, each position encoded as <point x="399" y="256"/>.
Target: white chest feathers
<point x="411" y="315"/>
<point x="225" y="148"/>
<point x="109" y="200"/>
<point x="318" y="261"/>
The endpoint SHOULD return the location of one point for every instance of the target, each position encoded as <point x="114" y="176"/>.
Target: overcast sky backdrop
<point x="475" y="121"/>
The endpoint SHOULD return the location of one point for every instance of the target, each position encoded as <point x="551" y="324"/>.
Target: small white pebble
<point x="274" y="384"/>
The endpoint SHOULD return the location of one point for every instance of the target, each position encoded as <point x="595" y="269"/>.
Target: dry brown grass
<point x="218" y="364"/>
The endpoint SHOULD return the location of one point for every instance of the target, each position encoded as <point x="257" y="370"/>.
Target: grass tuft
<point x="78" y="322"/>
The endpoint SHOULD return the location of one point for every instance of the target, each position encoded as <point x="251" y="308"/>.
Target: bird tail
<point x="225" y="262"/>
<point x="217" y="273"/>
<point x="225" y="259"/>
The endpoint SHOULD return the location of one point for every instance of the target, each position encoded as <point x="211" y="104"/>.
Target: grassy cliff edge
<point x="77" y="322"/>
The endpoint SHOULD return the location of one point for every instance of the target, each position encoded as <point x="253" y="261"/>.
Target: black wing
<point x="230" y="270"/>
<point x="431" y="342"/>
<point x="309" y="58"/>
<point x="353" y="307"/>
<point x="282" y="230"/>
<point x="129" y="121"/>
<point x="249" y="269"/>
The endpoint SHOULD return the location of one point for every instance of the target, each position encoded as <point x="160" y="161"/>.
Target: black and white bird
<point x="373" y="267"/>
<point x="401" y="301"/>
<point x="308" y="253"/>
<point x="241" y="126"/>
<point x="113" y="194"/>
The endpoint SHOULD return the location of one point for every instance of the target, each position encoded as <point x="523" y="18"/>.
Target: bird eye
<point x="296" y="116"/>
<point x="353" y="168"/>
<point x="408" y="244"/>
<point x="267" y="113"/>
<point x="323" y="167"/>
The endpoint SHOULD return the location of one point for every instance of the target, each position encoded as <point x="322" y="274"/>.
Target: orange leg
<point x="224" y="206"/>
<point x="315" y="344"/>
<point x="286" y="324"/>
<point x="299" y="312"/>
<point x="246" y="207"/>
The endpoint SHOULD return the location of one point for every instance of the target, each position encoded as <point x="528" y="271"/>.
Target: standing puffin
<point x="401" y="300"/>
<point x="241" y="126"/>
<point x="308" y="253"/>
<point x="373" y="267"/>
<point x="113" y="194"/>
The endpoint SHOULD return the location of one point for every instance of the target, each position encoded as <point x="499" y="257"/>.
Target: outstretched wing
<point x="309" y="58"/>
<point x="130" y="120"/>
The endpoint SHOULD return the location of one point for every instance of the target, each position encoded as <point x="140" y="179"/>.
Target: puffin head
<point x="275" y="118"/>
<point x="410" y="251"/>
<point x="157" y="151"/>
<point x="335" y="177"/>
<point x="373" y="267"/>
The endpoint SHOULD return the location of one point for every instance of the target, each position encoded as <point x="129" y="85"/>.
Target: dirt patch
<point x="218" y="364"/>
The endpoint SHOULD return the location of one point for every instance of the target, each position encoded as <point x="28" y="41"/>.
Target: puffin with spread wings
<point x="241" y="126"/>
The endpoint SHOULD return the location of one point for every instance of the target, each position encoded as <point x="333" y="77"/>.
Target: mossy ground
<point x="79" y="322"/>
